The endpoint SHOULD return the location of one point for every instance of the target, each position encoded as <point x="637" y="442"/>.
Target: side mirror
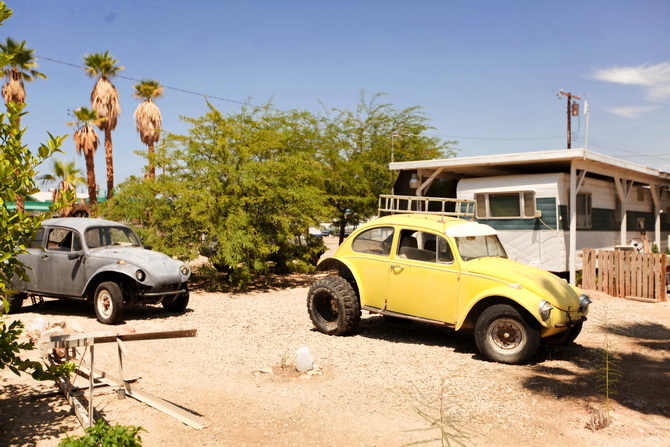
<point x="75" y="255"/>
<point x="148" y="247"/>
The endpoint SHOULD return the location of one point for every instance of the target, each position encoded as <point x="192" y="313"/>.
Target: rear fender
<point x="341" y="268"/>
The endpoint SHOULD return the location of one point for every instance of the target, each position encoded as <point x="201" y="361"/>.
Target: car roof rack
<point x="441" y="206"/>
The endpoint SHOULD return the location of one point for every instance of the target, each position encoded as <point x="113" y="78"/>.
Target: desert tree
<point x="148" y="119"/>
<point x="105" y="102"/>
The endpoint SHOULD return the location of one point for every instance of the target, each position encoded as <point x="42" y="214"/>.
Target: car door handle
<point x="393" y="266"/>
<point x="44" y="257"/>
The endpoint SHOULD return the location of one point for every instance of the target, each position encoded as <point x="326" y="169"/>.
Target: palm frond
<point x="105" y="101"/>
<point x="101" y="65"/>
<point x="148" y="121"/>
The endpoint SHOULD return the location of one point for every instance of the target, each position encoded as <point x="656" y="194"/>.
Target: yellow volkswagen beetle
<point x="447" y="271"/>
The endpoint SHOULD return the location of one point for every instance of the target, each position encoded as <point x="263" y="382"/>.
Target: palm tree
<point x="21" y="67"/>
<point x="105" y="102"/>
<point x="67" y="177"/>
<point x="86" y="141"/>
<point x="148" y="119"/>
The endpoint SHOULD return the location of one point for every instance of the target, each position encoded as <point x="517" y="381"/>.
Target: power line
<point x="492" y="138"/>
<point x="81" y="67"/>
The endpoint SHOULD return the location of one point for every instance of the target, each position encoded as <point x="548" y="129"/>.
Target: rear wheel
<point x="108" y="302"/>
<point x="15" y="301"/>
<point x="503" y="334"/>
<point x="333" y="306"/>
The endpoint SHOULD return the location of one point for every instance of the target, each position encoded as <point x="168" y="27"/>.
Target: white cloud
<point x="631" y="112"/>
<point x="656" y="78"/>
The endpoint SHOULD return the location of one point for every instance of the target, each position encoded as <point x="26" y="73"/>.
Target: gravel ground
<point x="367" y="389"/>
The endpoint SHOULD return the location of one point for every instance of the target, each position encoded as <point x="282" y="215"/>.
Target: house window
<point x="584" y="216"/>
<point x="506" y="205"/>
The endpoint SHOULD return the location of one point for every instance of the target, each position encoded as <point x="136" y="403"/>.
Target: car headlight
<point x="584" y="302"/>
<point x="184" y="270"/>
<point x="140" y="275"/>
<point x="545" y="310"/>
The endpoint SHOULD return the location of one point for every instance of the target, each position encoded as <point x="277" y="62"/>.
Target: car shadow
<point x="79" y="308"/>
<point x="415" y="332"/>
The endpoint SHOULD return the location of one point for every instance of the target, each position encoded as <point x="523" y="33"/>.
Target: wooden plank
<point x="74" y="340"/>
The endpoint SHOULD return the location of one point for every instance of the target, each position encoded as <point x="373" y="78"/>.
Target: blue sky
<point x="486" y="72"/>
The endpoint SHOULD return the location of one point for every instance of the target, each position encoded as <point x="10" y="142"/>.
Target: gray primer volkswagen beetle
<point x="100" y="261"/>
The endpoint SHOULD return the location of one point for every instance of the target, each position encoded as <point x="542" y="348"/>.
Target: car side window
<point x="63" y="240"/>
<point x="375" y="241"/>
<point x="422" y="246"/>
<point x="38" y="239"/>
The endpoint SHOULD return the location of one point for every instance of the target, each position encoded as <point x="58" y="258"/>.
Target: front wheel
<point x="176" y="303"/>
<point x="333" y="306"/>
<point x="108" y="302"/>
<point x="505" y="335"/>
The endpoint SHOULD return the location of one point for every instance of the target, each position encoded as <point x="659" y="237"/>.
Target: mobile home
<point x="548" y="206"/>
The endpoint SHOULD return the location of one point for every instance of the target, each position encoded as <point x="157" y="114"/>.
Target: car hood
<point x="544" y="284"/>
<point x="151" y="261"/>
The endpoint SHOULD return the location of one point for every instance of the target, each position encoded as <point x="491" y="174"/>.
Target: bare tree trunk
<point x="90" y="178"/>
<point x="151" y="171"/>
<point x="110" y="162"/>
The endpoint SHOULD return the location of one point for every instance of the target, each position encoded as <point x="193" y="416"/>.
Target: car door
<point x="61" y="267"/>
<point x="424" y="277"/>
<point x="370" y="259"/>
<point x="31" y="260"/>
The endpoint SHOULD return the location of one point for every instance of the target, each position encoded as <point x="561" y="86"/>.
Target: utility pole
<point x="573" y="110"/>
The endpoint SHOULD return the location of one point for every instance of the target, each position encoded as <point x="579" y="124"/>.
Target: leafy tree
<point x="86" y="142"/>
<point x="148" y="119"/>
<point x="357" y="147"/>
<point x="240" y="185"/>
<point x="19" y="67"/>
<point x="17" y="174"/>
<point x="105" y="102"/>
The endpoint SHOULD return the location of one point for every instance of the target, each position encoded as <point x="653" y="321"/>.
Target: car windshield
<point x="97" y="237"/>
<point x="473" y="247"/>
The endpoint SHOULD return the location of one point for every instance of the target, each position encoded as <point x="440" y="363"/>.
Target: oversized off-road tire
<point x="108" y="303"/>
<point x="506" y="335"/>
<point x="566" y="337"/>
<point x="15" y="301"/>
<point x="333" y="306"/>
<point x="176" y="303"/>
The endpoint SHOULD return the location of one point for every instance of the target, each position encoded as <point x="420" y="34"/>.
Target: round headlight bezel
<point x="545" y="309"/>
<point x="184" y="270"/>
<point x="140" y="275"/>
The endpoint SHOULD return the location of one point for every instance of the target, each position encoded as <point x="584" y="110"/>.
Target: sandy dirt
<point x="384" y="386"/>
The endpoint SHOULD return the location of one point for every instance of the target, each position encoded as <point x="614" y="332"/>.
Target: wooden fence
<point x="626" y="274"/>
